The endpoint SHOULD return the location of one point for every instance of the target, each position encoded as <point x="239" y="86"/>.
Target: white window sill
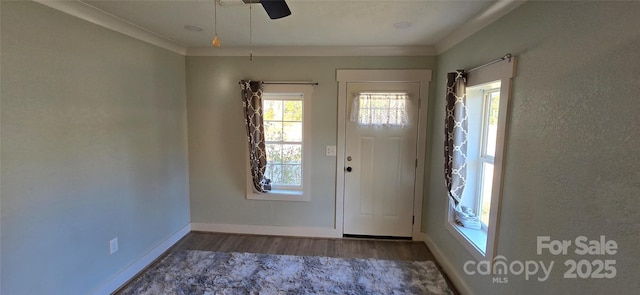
<point x="476" y="236"/>
<point x="280" y="195"/>
<point x="474" y="240"/>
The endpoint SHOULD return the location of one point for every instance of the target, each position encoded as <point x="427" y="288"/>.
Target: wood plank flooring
<point x="342" y="248"/>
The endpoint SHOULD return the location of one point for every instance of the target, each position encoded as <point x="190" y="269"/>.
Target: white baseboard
<point x="314" y="232"/>
<point x="130" y="271"/>
<point x="451" y="271"/>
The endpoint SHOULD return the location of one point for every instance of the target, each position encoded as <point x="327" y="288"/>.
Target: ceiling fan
<point x="275" y="8"/>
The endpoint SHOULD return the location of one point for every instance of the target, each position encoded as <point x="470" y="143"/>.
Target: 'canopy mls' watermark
<point x="501" y="268"/>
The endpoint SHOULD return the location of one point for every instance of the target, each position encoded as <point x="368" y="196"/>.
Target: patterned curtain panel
<point x="455" y="129"/>
<point x="253" y="117"/>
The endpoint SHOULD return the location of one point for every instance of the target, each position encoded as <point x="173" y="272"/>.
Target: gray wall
<point x="573" y="150"/>
<point x="93" y="147"/>
<point x="217" y="135"/>
<point x="94" y="144"/>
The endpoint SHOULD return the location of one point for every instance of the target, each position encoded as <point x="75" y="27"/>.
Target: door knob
<point x="349" y="169"/>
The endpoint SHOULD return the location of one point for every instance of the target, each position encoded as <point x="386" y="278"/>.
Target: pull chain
<point x="250" y="34"/>
<point x="216" y="41"/>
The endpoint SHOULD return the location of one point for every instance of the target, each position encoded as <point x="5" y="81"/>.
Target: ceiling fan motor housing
<point x="275" y="8"/>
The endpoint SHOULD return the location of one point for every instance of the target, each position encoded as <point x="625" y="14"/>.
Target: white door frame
<point x="344" y="77"/>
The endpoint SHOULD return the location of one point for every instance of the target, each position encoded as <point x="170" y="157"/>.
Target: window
<point x="286" y="114"/>
<point x="283" y="125"/>
<point x="487" y="100"/>
<point x="491" y="103"/>
<point x="380" y="109"/>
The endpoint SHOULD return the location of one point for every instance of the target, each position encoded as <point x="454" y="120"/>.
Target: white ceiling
<point x="312" y="23"/>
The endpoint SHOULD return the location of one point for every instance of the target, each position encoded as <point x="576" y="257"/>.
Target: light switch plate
<point x="331" y="150"/>
<point x="113" y="246"/>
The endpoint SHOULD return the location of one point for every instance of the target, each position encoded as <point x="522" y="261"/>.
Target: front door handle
<point x="349" y="169"/>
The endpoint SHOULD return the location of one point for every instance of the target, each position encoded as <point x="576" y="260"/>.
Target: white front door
<point x="380" y="165"/>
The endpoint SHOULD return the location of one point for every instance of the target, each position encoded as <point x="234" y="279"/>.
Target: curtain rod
<point x="289" y="83"/>
<point x="505" y="57"/>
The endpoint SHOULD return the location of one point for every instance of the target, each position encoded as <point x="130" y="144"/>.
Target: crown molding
<point x="491" y="14"/>
<point x="91" y="14"/>
<point x="94" y="15"/>
<point x="315" y="51"/>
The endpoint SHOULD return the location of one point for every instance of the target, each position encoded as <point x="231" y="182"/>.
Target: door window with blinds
<point x="380" y="109"/>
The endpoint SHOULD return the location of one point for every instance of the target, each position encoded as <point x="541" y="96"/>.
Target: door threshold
<point x="367" y="237"/>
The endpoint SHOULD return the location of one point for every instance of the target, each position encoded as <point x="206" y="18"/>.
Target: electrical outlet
<point x="113" y="246"/>
<point x="331" y="150"/>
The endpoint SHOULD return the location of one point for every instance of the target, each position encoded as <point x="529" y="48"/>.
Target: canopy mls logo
<point x="501" y="268"/>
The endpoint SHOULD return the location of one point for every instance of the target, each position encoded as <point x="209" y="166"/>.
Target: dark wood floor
<point x="343" y="248"/>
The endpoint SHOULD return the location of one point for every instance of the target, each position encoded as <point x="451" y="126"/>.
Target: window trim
<point x="504" y="72"/>
<point x="283" y="194"/>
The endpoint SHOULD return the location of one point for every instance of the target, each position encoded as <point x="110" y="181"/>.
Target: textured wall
<point x="93" y="147"/>
<point x="573" y="144"/>
<point x="217" y="135"/>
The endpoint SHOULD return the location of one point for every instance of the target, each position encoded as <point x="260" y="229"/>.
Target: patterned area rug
<point x="204" y="272"/>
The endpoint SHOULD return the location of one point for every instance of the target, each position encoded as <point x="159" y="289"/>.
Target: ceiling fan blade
<point x="276" y="8"/>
